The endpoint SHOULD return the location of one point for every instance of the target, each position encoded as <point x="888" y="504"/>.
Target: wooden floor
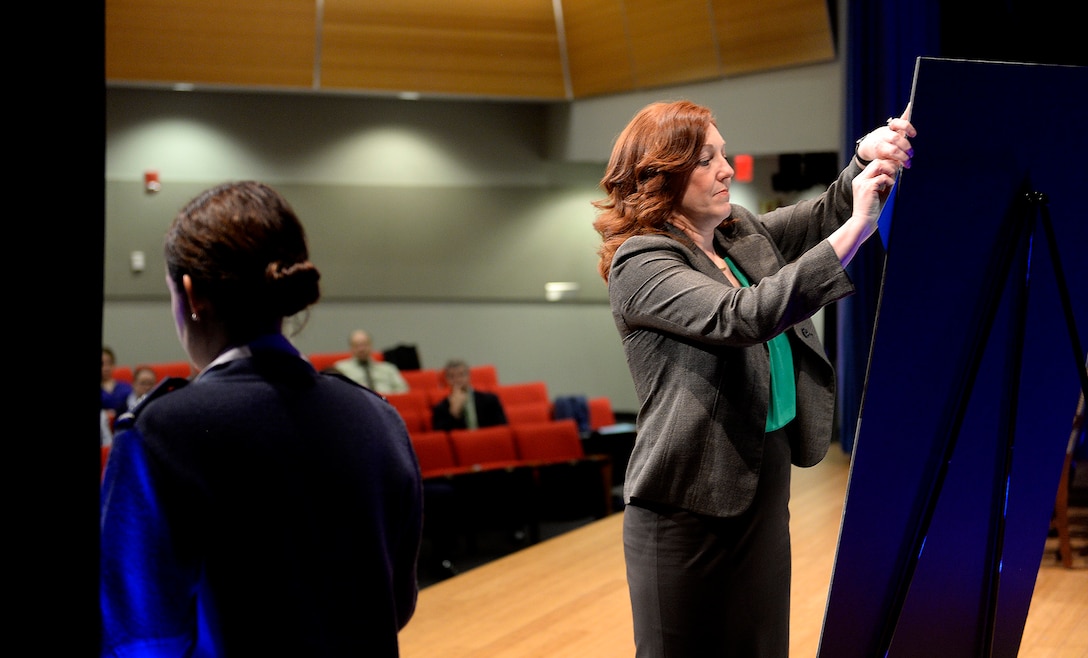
<point x="567" y="596"/>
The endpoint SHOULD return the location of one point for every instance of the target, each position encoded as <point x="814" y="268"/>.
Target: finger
<point x="903" y="125"/>
<point x="884" y="185"/>
<point x="884" y="175"/>
<point x="884" y="167"/>
<point x="899" y="139"/>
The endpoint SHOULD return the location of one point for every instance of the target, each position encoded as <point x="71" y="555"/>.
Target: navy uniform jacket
<point x="696" y="348"/>
<point x="263" y="509"/>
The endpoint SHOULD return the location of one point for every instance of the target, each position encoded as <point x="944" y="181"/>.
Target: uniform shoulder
<point x="162" y="389"/>
<point x="340" y="377"/>
<point x="337" y="375"/>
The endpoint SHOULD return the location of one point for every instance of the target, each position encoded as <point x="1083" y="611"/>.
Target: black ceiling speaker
<point x="800" y="171"/>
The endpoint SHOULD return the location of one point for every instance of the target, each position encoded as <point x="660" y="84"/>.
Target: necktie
<point x="366" y="374"/>
<point x="470" y="412"/>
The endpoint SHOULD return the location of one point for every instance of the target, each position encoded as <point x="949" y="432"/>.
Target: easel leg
<point x="1061" y="514"/>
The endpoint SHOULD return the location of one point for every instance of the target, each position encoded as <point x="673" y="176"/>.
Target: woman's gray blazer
<point x="696" y="348"/>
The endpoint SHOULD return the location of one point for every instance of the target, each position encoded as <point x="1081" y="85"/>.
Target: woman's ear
<point x="190" y="298"/>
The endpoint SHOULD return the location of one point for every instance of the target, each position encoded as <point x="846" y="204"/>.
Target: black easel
<point x="1038" y="215"/>
<point x="958" y="457"/>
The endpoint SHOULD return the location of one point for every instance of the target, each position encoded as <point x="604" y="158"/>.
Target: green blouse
<point x="783" y="404"/>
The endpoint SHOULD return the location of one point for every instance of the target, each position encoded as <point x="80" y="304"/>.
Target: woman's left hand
<point x="890" y="142"/>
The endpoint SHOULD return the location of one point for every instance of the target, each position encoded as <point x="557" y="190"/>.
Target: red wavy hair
<point x="647" y="173"/>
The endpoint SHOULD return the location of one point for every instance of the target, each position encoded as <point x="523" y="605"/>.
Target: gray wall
<point x="435" y="223"/>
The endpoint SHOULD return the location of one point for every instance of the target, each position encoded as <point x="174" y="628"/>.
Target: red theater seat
<point x="486" y="447"/>
<point x="166" y="369"/>
<point x="414" y="408"/>
<point x="423" y="380"/>
<point x="435" y="453"/>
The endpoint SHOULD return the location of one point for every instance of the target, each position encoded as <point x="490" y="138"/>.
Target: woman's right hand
<point x="871" y="189"/>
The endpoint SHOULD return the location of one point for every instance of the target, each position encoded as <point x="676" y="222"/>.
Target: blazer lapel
<point x="752" y="254"/>
<point x="698" y="259"/>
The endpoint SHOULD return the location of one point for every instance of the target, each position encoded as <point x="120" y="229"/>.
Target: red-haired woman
<point x="712" y="303"/>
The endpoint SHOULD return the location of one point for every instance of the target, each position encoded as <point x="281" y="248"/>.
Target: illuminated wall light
<point x="557" y="291"/>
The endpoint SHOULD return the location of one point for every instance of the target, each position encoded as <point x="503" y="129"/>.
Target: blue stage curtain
<point x="884" y="40"/>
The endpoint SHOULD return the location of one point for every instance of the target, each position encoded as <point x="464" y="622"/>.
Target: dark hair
<point x="651" y="163"/>
<point x="245" y="251"/>
<point x="144" y="368"/>
<point x="454" y="363"/>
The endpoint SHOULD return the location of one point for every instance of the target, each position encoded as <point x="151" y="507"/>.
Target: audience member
<point x="379" y="376"/>
<point x="143" y="380"/>
<point x="105" y="428"/>
<point x="260" y="508"/>
<point x="114" y="391"/>
<point x="465" y="407"/>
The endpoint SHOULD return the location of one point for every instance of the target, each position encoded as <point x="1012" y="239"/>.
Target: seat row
<point x="523" y="402"/>
<point x="320" y="361"/>
<point x="483" y="377"/>
<point x="546" y="451"/>
<point x="162" y="370"/>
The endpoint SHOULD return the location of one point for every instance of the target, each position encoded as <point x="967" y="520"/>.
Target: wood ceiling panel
<point x="757" y="35"/>
<point x="598" y="50"/>
<point x="498" y="48"/>
<point x="473" y="47"/>
<point x="671" y="41"/>
<point x="241" y="42"/>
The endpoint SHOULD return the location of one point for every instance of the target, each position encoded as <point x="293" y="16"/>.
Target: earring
<point x="195" y="317"/>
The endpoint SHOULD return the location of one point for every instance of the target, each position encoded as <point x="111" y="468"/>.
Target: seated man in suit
<point x="465" y="407"/>
<point x="379" y="376"/>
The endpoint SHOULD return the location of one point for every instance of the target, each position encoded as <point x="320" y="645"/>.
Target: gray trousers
<point x="710" y="587"/>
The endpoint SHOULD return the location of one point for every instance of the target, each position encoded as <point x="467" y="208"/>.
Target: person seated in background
<point x="465" y="407"/>
<point x="114" y="391"/>
<point x="378" y="376"/>
<point x="143" y="380"/>
<point x="105" y="428"/>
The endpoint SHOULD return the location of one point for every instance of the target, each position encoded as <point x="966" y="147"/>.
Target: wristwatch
<point x="862" y="161"/>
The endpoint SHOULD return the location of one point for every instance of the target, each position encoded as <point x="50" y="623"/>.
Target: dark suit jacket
<point x="696" y="348"/>
<point x="286" y="501"/>
<point x="489" y="412"/>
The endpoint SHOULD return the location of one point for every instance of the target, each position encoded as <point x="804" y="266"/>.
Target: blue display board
<point x="976" y="366"/>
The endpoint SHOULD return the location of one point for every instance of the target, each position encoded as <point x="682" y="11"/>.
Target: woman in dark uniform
<point x="262" y="508"/>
